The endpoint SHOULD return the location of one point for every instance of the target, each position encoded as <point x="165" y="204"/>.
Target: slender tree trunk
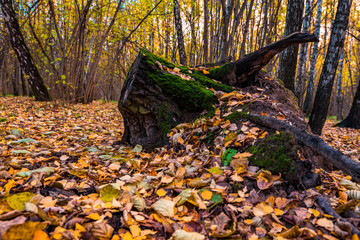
<point x="246" y="29"/>
<point x="237" y="17"/>
<point x="206" y="31"/>
<point x="338" y="87"/>
<point x="288" y="58"/>
<point x="22" y="52"/>
<point x="227" y="7"/>
<point x="167" y="38"/>
<point x="180" y="36"/>
<point x="310" y="87"/>
<point x="301" y="76"/>
<point x="336" y="44"/>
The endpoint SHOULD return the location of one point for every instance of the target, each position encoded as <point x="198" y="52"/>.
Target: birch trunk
<point x="301" y="76"/>
<point x="336" y="44"/>
<point x="310" y="87"/>
<point x="179" y="32"/>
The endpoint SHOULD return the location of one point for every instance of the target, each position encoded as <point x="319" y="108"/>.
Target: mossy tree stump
<point x="155" y="97"/>
<point x="153" y="100"/>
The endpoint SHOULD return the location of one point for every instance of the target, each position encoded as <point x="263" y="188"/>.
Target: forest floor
<point x="63" y="175"/>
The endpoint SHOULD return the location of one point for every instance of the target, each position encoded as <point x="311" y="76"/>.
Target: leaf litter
<point x="65" y="175"/>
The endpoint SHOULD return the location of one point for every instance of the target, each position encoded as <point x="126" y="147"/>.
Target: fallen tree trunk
<point x="333" y="156"/>
<point x="158" y="95"/>
<point x="243" y="71"/>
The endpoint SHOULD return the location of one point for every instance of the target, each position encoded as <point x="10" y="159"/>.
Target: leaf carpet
<point x="64" y="175"/>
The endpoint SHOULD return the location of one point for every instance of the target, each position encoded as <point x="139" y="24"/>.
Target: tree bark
<point x="310" y="87"/>
<point x="26" y="61"/>
<point x="352" y="120"/>
<point x="336" y="44"/>
<point x="288" y="59"/>
<point x="179" y="32"/>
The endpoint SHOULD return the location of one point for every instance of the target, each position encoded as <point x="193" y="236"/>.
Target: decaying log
<point x="333" y="156"/>
<point x="240" y="72"/>
<point x="157" y="95"/>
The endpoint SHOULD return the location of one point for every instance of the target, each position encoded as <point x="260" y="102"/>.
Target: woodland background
<point x="83" y="49"/>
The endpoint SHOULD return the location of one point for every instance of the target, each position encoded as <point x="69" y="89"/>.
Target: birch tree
<point x="310" y="86"/>
<point x="326" y="81"/>
<point x="179" y="32"/>
<point x="303" y="55"/>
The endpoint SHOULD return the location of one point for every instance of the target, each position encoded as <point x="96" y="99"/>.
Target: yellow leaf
<point x="205" y="72"/>
<point x="10" y="185"/>
<point x="109" y="192"/>
<point x="25" y="231"/>
<point x="40" y="235"/>
<point x="262" y="209"/>
<point x="206" y="194"/>
<point x="79" y="228"/>
<point x="127" y="236"/>
<point x="135" y="230"/>
<point x="94" y="216"/>
<point x="115" y="237"/>
<point x="278" y="212"/>
<point x="18" y="200"/>
<point x="180" y="140"/>
<point x="316" y="213"/>
<point x="161" y="192"/>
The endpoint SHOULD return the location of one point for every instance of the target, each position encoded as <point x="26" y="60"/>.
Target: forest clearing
<point x="168" y="119"/>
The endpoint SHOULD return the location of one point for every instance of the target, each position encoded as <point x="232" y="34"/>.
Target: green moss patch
<point x="220" y="72"/>
<point x="202" y="79"/>
<point x="189" y="95"/>
<point x="276" y="153"/>
<point x="208" y="82"/>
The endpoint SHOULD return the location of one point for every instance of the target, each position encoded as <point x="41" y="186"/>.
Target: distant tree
<point x="301" y="75"/>
<point x="339" y="87"/>
<point x="288" y="58"/>
<point x="326" y="81"/>
<point x="206" y="31"/>
<point x="310" y="86"/>
<point x="22" y="52"/>
<point x="227" y="7"/>
<point x="179" y="32"/>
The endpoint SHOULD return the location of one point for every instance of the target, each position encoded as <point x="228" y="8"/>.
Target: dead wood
<point x="243" y="71"/>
